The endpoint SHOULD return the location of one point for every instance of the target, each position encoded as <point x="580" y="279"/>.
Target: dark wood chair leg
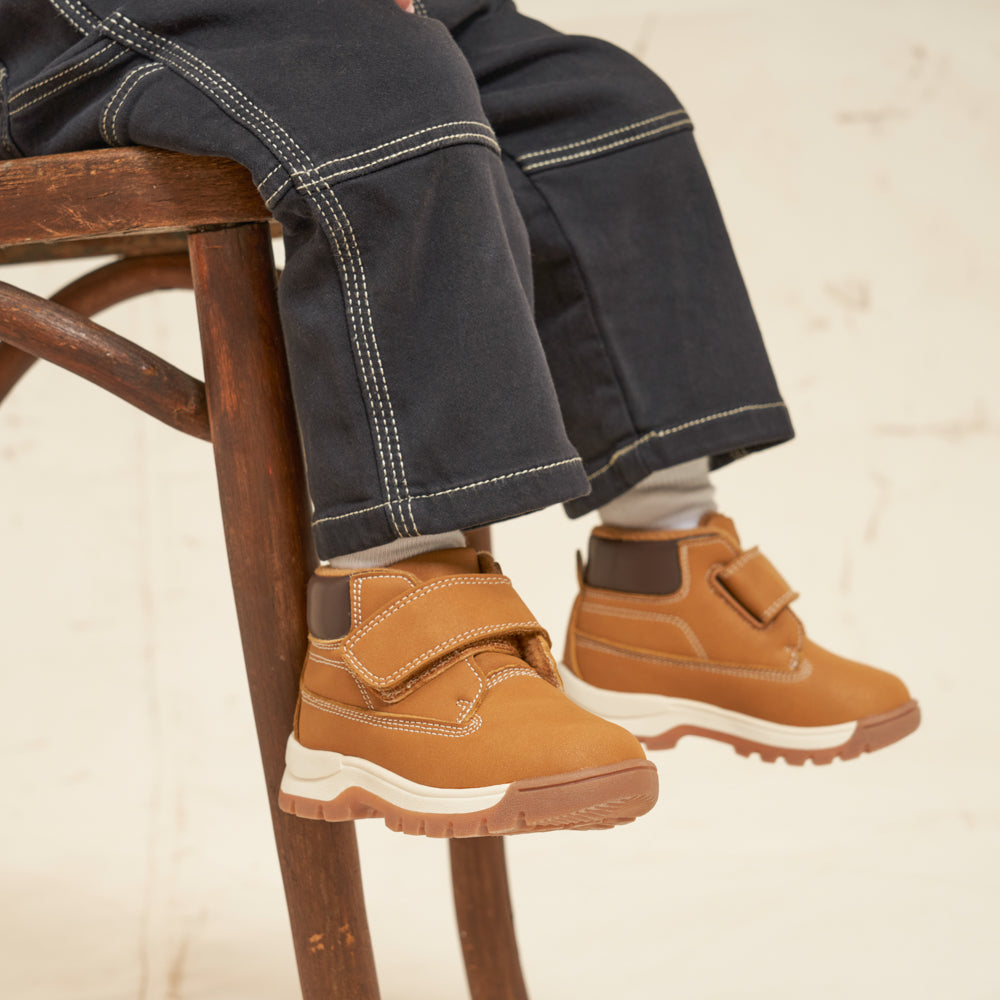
<point x="485" y="919"/>
<point x="262" y="491"/>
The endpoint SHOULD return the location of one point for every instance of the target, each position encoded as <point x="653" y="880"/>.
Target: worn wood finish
<point x="262" y="488"/>
<point x="100" y="289"/>
<point x="486" y="920"/>
<point x="125" y="279"/>
<point x="112" y="246"/>
<point x="55" y="333"/>
<point x="114" y="192"/>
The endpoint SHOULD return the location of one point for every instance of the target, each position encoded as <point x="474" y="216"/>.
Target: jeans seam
<point x="63" y="7"/>
<point x="338" y="224"/>
<point x="314" y="177"/>
<point x="682" y="124"/>
<point x="687" y="425"/>
<point x="109" y="129"/>
<point x="399" y="139"/>
<point x="457" y="138"/>
<point x="585" y="289"/>
<point x="457" y="489"/>
<point x="55" y="76"/>
<point x="70" y="81"/>
<point x="547" y="151"/>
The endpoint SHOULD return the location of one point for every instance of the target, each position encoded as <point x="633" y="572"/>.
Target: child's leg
<point x="661" y="372"/>
<point x="421" y="387"/>
<point x="429" y="694"/>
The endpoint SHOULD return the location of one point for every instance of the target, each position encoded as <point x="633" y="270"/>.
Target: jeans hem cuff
<point x="455" y="508"/>
<point x="724" y="438"/>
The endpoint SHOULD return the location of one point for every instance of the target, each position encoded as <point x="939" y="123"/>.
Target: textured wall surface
<point x="854" y="149"/>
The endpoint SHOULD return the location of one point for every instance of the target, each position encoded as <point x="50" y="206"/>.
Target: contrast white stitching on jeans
<point x="403" y="153"/>
<point x="456" y="489"/>
<point x="336" y="207"/>
<point x="269" y="175"/>
<point x="291" y="150"/>
<point x="272" y="199"/>
<point x="110" y="132"/>
<point x="497" y="479"/>
<point x="682" y="427"/>
<point x="56" y="76"/>
<point x="600" y="135"/>
<point x="486" y="137"/>
<point x="378" y="361"/>
<point x="393" y="142"/>
<point x="61" y="5"/>
<point x="594" y="150"/>
<point x="286" y="144"/>
<point x="99" y="68"/>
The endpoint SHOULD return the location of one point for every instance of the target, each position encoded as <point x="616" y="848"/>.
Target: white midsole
<point x="655" y="714"/>
<point x="322" y="775"/>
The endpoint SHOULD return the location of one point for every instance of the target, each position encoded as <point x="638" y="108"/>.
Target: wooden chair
<point x="197" y="222"/>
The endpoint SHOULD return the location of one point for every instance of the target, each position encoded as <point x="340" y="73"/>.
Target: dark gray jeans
<point x="508" y="283"/>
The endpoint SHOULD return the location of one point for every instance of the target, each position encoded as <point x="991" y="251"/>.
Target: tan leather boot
<point x="682" y="632"/>
<point x="429" y="697"/>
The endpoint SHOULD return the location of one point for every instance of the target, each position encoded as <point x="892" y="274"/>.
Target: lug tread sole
<point x="871" y="733"/>
<point x="590" y="799"/>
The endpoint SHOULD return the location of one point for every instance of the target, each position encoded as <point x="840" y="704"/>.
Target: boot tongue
<point x="441" y="562"/>
<point x="714" y="521"/>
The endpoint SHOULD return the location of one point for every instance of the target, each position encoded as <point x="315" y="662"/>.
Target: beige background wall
<point x="854" y="148"/>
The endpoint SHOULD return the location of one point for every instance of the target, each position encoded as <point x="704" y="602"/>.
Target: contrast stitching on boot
<point x="455" y="489"/>
<point x="110" y="129"/>
<point x="795" y="673"/>
<point x="69" y="82"/>
<point x="356" y="591"/>
<point x="507" y="673"/>
<point x="406" y="725"/>
<point x="737" y="564"/>
<point x="340" y="665"/>
<point x="666" y="432"/>
<point x="778" y="603"/>
<point x="601" y="135"/>
<point x="488" y="581"/>
<point x="397" y="694"/>
<point x="330" y="210"/>
<point x="459" y="638"/>
<point x="592" y="607"/>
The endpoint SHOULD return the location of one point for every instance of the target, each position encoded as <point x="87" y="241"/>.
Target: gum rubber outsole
<point x="871" y="733"/>
<point x="595" y="798"/>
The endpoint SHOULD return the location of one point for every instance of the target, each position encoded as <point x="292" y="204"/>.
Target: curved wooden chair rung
<point x="198" y="222"/>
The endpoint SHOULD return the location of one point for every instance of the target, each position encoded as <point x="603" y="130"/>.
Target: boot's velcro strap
<point x="428" y="623"/>
<point x="757" y="586"/>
